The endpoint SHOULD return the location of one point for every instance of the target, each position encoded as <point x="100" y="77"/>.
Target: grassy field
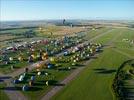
<point x="8" y="36"/>
<point x="58" y="30"/>
<point x="93" y="33"/>
<point x="3" y="96"/>
<point x="125" y="46"/>
<point x="95" y="81"/>
<point x="40" y="85"/>
<point x="56" y="75"/>
<point x="125" y="76"/>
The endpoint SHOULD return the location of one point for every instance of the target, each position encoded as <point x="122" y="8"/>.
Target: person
<point x="30" y="59"/>
<point x="26" y="70"/>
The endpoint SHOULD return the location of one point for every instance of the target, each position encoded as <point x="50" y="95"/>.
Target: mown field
<point x="95" y="81"/>
<point x="3" y="96"/>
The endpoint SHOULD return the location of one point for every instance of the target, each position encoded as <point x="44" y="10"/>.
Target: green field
<point x="56" y="75"/>
<point x="95" y="81"/>
<point x="3" y="95"/>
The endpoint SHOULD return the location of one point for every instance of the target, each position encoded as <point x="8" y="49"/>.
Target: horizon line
<point x="127" y="19"/>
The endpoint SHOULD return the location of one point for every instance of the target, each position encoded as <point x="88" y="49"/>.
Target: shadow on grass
<point x="39" y="84"/>
<point x="129" y="88"/>
<point x="1" y="80"/>
<point x="93" y="57"/>
<point x="80" y="65"/>
<point x="105" y="45"/>
<point x="55" y="83"/>
<point x="4" y="78"/>
<point x="33" y="88"/>
<point x="99" y="69"/>
<point x="64" y="69"/>
<point x="69" y="54"/>
<point x="13" y="88"/>
<point x="104" y="71"/>
<point x="128" y="95"/>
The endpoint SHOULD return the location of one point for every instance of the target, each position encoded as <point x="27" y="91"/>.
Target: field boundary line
<point x="123" y="53"/>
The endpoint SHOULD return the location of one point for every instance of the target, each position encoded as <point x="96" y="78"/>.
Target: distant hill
<point x="77" y="22"/>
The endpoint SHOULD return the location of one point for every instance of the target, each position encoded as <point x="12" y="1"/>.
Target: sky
<point x="66" y="9"/>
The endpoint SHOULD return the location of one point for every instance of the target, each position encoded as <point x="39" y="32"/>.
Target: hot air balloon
<point x="64" y="21"/>
<point x="25" y="88"/>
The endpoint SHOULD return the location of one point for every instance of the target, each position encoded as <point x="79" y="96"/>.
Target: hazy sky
<point x="68" y="9"/>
